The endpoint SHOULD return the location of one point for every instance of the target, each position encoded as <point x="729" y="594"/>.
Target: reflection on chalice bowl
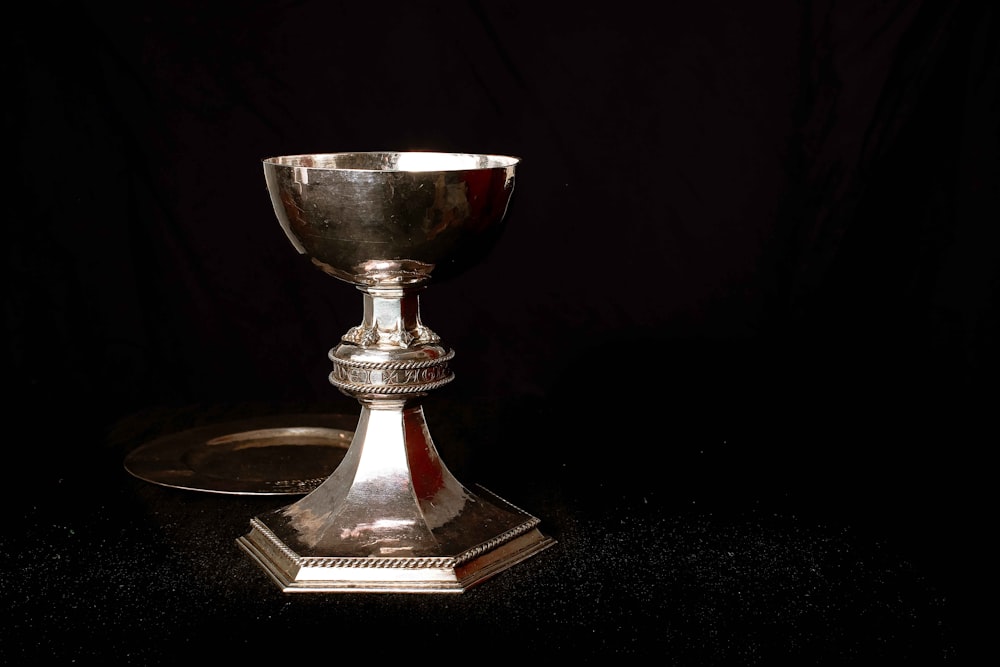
<point x="391" y="517"/>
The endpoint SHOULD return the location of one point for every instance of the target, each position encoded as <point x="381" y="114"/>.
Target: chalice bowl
<point x="391" y="517"/>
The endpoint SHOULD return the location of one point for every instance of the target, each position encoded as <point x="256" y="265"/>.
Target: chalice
<point x="391" y="517"/>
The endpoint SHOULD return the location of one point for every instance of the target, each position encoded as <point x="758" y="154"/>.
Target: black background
<point x="751" y="258"/>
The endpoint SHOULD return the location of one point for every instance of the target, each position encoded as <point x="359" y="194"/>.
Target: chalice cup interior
<point x="391" y="517"/>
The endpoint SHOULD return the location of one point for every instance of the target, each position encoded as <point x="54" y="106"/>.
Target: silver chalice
<point x="391" y="517"/>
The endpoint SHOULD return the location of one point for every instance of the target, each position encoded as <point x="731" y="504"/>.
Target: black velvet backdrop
<point x="795" y="197"/>
<point x="777" y="217"/>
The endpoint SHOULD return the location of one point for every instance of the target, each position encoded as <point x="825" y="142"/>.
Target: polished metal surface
<point x="391" y="517"/>
<point x="288" y="454"/>
<point x="388" y="219"/>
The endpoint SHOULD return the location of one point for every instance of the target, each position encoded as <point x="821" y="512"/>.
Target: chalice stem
<point x="391" y="517"/>
<point x="388" y="496"/>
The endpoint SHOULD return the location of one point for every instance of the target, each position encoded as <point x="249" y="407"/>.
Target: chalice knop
<point x="391" y="517"/>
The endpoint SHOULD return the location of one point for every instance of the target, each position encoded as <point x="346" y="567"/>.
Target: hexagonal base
<point x="443" y="573"/>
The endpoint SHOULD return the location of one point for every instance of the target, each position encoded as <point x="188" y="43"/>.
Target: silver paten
<point x="391" y="517"/>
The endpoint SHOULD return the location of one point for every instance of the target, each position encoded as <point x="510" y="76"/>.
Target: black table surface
<point x="692" y="538"/>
